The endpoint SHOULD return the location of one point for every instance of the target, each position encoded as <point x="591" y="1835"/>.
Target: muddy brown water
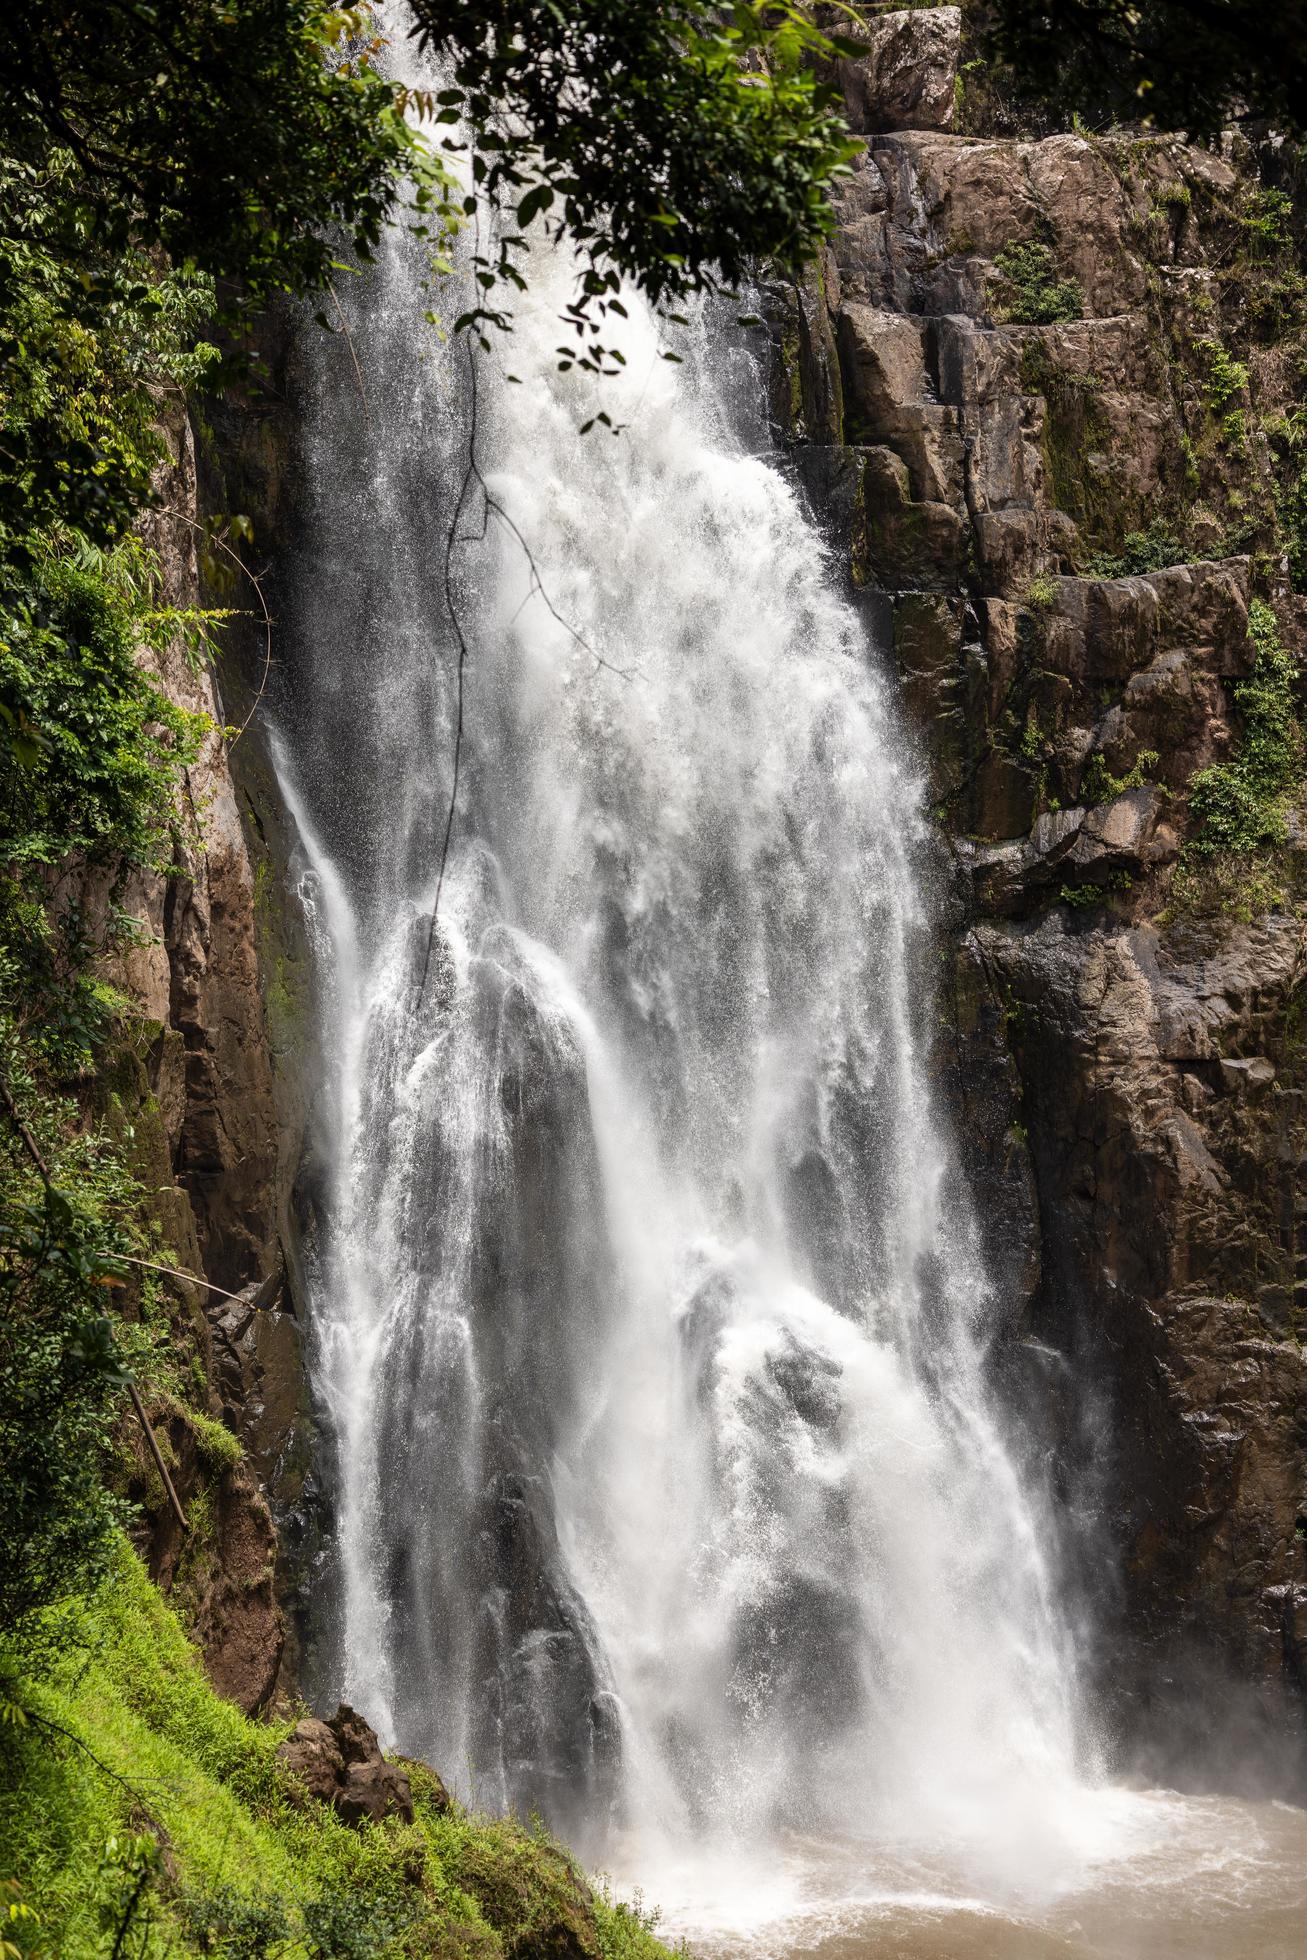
<point x="1152" y="1876"/>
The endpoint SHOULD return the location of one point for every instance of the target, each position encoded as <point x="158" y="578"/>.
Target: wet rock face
<point x="220" y="1572"/>
<point x="189" y="1096"/>
<point x="193" y="971"/>
<point x="340" y="1763"/>
<point x="1127" y="1072"/>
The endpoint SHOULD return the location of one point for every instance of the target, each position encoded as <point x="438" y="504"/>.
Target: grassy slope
<point x="200" y="1782"/>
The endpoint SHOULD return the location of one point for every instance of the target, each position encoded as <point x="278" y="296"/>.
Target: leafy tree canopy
<point x="218" y="130"/>
<point x="674" y="142"/>
<point x="1194" y="65"/>
<point x="256" y="143"/>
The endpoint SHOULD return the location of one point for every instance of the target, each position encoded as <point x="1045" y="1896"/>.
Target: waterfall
<point x="648" y="1312"/>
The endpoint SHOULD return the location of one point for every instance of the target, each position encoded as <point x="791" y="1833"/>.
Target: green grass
<point x="124" y="1773"/>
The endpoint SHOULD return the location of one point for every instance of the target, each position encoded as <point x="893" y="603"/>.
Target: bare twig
<point x="176" y="1272"/>
<point x="28" y="1140"/>
<point x="215" y="537"/>
<point x="494" y="506"/>
<point x="155" y="1824"/>
<point x="490" y="506"/>
<point x="157" y="1454"/>
<point x="349" y="342"/>
<point x="451" y="538"/>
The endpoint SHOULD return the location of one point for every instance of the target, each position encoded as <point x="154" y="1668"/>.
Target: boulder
<point x="907" y="78"/>
<point x="312" y="1755"/>
<point x="340" y="1763"/>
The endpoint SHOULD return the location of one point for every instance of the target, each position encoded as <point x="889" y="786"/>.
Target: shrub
<point x="1099" y="785"/>
<point x="60" y="1378"/>
<point x="92" y="747"/>
<point x="1151" y="550"/>
<point x="1240" y="805"/>
<point x="243" y="1927"/>
<point x="1226" y="378"/>
<point x="1032" y="293"/>
<point x="344" y="1925"/>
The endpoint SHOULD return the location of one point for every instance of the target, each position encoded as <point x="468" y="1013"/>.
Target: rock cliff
<point x="1037" y="393"/>
<point x="189" y="1093"/>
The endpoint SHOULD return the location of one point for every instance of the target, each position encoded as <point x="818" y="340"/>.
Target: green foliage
<point x="1174" y="197"/>
<point x="340" y="1925"/>
<point x="89" y="344"/>
<point x="1289" y="445"/>
<point x="87" y="765"/>
<point x="1041" y="592"/>
<point x="1170" y="63"/>
<point x="1226" y="378"/>
<point x="93" y="747"/>
<point x="628" y="1928"/>
<point x="1150" y="550"/>
<point x="1267" y="222"/>
<point x="1240" y="805"/>
<point x="1032" y="291"/>
<point x="60" y="1372"/>
<point x="695" y="140"/>
<point x="214" y="1441"/>
<point x="1099" y="785"/>
<point x="158" y="1759"/>
<point x="230" y="133"/>
<point x="244" y="1926"/>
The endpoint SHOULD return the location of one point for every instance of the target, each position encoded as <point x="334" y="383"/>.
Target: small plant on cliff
<point x="1099" y="785"/>
<point x="1225" y="378"/>
<point x="1266" y="219"/>
<point x="1240" y="806"/>
<point x="1289" y="446"/>
<point x="1151" y="550"/>
<point x="1041" y="592"/>
<point x="1032" y="291"/>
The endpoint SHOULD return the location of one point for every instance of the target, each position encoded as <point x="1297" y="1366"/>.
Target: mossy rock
<point x="453" y="1940"/>
<point x="528" y="1891"/>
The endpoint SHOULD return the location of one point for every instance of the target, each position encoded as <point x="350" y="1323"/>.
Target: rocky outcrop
<point x="531" y="1893"/>
<point x="187" y="1094"/>
<point x="907" y="78"/>
<point x="1027" y="391"/>
<point x="191" y="968"/>
<point x="340" y="1763"/>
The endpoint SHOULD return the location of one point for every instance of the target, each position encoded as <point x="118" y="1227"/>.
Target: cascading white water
<point x="649" y="1315"/>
